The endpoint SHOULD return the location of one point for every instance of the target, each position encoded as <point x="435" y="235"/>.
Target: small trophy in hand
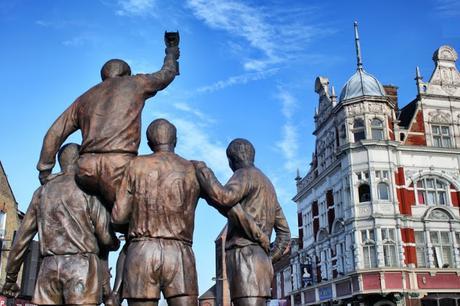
<point x="172" y="40"/>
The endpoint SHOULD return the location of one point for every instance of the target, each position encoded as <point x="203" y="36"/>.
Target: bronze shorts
<point x="101" y="173"/>
<point x="155" y="265"/>
<point x="69" y="279"/>
<point x="249" y="271"/>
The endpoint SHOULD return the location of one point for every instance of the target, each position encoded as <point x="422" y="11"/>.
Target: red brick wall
<point x="408" y="236"/>
<point x="417" y="126"/>
<point x="455" y="196"/>
<point x="392" y="128"/>
<point x="406" y="197"/>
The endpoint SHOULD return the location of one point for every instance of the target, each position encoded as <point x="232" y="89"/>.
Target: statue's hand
<point x="265" y="243"/>
<point x="198" y="164"/>
<point x="43" y="176"/>
<point x="10" y="289"/>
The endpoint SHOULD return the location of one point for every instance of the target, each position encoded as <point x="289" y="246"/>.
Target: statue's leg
<point x="250" y="301"/>
<point x="119" y="272"/>
<point x="185" y="300"/>
<point x="142" y="302"/>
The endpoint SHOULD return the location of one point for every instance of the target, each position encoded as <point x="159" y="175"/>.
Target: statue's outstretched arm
<point x="65" y="125"/>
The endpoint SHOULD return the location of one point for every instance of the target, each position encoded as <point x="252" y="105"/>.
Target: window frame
<point x="361" y="185"/>
<point x="379" y="128"/>
<point x="387" y="187"/>
<point x="390" y="254"/>
<point x="439" y="247"/>
<point x="369" y="244"/>
<point x="425" y="194"/>
<point x="440" y="139"/>
<point x="359" y="128"/>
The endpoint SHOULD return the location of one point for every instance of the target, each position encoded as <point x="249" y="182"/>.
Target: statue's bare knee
<point x="142" y="302"/>
<point x="186" y="300"/>
<point x="250" y="301"/>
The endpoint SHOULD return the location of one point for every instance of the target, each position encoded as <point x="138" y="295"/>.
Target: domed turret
<point x="361" y="83"/>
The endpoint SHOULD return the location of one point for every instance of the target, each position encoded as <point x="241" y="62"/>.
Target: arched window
<point x="377" y="129"/>
<point x="432" y="191"/>
<point x="364" y="192"/>
<point x="383" y="191"/>
<point x="359" y="132"/>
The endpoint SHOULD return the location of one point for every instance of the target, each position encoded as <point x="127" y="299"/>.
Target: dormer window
<point x="359" y="130"/>
<point x="377" y="129"/>
<point x="441" y="136"/>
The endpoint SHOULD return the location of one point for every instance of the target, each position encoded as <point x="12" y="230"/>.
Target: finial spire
<point x="298" y="178"/>
<point x="358" y="47"/>
<point x="333" y="92"/>
<point x="418" y="76"/>
<point x="418" y="80"/>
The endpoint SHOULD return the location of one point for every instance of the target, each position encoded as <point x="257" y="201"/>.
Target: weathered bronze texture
<point x="158" y="197"/>
<point x="72" y="227"/>
<point x="249" y="267"/>
<point x="109" y="117"/>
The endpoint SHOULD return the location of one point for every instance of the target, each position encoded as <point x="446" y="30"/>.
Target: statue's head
<point x="161" y="134"/>
<point x="68" y="155"/>
<point x="115" y="68"/>
<point x="240" y="154"/>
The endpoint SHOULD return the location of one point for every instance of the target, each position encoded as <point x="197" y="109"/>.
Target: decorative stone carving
<point x="438" y="214"/>
<point x="439" y="117"/>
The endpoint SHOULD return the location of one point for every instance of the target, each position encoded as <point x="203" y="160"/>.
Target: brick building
<point x="378" y="211"/>
<point x="9" y="220"/>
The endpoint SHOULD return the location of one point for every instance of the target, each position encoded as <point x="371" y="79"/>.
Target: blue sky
<point x="247" y="70"/>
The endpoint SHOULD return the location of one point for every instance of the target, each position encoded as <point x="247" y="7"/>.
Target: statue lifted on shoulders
<point x="249" y="267"/>
<point x="109" y="117"/>
<point x="72" y="226"/>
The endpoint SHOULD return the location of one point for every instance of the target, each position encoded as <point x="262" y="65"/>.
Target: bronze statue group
<point x="105" y="187"/>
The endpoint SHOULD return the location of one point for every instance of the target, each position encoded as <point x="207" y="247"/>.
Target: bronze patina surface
<point x="72" y="227"/>
<point x="249" y="267"/>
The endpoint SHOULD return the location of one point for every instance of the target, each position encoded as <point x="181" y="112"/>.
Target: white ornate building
<point x="378" y="211"/>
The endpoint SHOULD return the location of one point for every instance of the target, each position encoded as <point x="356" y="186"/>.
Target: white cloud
<point x="276" y="34"/>
<point x="194" y="141"/>
<point x="448" y="8"/>
<point x="289" y="143"/>
<point x="77" y="41"/>
<point x="187" y="108"/>
<point x="136" y="7"/>
<point x="236" y="80"/>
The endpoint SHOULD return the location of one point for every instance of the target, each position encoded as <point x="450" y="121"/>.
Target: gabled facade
<point x="378" y="211"/>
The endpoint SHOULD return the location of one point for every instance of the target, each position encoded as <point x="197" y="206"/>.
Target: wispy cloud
<point x="76" y="41"/>
<point x="136" y="7"/>
<point x="289" y="143"/>
<point x="448" y="8"/>
<point x="276" y="34"/>
<point x="194" y="140"/>
<point x="237" y="80"/>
